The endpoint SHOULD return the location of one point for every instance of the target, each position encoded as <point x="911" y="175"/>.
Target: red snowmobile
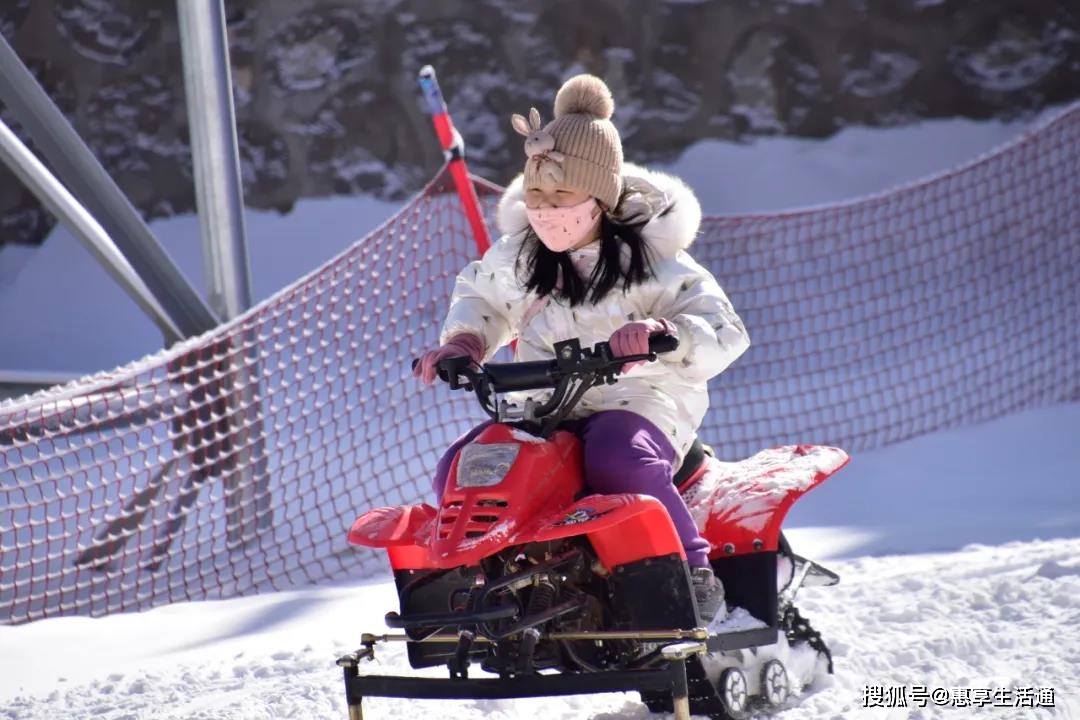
<point x="552" y="591"/>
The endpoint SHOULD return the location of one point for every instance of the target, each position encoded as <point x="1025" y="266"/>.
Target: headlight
<point x="485" y="465"/>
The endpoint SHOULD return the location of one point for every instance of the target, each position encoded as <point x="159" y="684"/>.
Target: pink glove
<point x="633" y="338"/>
<point x="461" y="345"/>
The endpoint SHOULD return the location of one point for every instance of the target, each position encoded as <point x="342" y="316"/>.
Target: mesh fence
<point x="235" y="462"/>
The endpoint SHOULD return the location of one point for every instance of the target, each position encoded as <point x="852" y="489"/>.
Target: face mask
<point x="561" y="228"/>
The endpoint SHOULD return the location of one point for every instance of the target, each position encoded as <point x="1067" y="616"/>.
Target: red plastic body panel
<point x="533" y="503"/>
<point x="389" y="526"/>
<point x="621" y="528"/>
<point x="402" y="530"/>
<point x="474" y="522"/>
<point x="739" y="507"/>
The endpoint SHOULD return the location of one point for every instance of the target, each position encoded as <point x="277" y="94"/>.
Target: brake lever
<point x="451" y="370"/>
<point x="610" y="375"/>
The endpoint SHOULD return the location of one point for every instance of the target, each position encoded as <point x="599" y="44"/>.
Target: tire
<point x="775" y="684"/>
<point x="732" y="689"/>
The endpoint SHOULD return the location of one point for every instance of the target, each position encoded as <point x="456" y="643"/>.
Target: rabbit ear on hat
<point x="520" y="124"/>
<point x="527" y="127"/>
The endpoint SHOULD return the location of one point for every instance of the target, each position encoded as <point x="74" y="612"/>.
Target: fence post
<point x="219" y="195"/>
<point x="454" y="148"/>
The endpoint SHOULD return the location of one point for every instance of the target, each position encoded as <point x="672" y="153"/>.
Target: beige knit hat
<point x="580" y="147"/>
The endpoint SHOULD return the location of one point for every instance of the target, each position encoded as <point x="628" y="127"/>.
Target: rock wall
<point x="327" y="101"/>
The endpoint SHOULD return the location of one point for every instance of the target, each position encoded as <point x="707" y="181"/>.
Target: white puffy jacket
<point x="489" y="299"/>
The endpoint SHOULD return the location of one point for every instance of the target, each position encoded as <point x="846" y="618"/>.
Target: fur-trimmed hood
<point x="673" y="212"/>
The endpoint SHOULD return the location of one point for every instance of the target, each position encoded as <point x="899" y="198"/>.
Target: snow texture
<point x="522" y="436"/>
<point x="746" y="493"/>
<point x="972" y="616"/>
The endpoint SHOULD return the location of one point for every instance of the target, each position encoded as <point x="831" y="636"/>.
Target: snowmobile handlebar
<point x="544" y="374"/>
<point x="573" y="371"/>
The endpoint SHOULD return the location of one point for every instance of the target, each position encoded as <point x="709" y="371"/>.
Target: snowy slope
<point x="972" y="615"/>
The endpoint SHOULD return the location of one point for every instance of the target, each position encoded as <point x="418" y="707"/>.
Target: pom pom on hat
<point x="585" y="95"/>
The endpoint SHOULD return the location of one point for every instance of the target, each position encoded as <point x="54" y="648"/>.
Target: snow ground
<point x="994" y="605"/>
<point x="958" y="551"/>
<point x="958" y="555"/>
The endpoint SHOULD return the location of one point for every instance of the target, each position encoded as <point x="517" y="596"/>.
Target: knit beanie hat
<point x="580" y="147"/>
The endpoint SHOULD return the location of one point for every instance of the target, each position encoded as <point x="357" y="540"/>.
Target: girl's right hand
<point x="461" y="345"/>
<point x="633" y="338"/>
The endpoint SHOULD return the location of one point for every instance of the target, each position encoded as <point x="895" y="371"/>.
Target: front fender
<point x="403" y="530"/>
<point x="622" y="528"/>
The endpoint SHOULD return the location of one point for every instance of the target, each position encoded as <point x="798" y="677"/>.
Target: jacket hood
<point x="672" y="211"/>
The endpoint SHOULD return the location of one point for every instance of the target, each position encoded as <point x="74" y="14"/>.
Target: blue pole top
<point x="429" y="85"/>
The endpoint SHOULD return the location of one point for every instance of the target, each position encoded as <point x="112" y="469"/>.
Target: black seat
<point x="694" y="459"/>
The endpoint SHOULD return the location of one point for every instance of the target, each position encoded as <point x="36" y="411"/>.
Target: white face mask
<point x="561" y="228"/>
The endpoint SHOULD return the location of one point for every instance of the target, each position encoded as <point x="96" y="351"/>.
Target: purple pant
<point x="624" y="453"/>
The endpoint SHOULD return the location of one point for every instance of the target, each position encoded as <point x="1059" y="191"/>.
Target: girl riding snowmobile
<point x="596" y="249"/>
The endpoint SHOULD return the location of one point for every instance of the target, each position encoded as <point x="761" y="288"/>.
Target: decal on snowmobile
<point x="581" y="515"/>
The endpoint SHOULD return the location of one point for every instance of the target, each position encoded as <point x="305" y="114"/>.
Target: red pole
<point x="455" y="152"/>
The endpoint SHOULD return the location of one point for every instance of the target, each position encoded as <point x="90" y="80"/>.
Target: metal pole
<point x="77" y="167"/>
<point x="218" y="191"/>
<point x="54" y="196"/>
<point x="220" y="200"/>
<point x="454" y="148"/>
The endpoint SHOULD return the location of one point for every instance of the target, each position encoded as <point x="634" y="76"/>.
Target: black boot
<point x="709" y="593"/>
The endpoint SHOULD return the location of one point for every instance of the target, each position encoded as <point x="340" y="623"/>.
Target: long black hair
<point x="544" y="268"/>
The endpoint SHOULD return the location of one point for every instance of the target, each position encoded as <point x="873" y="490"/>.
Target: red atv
<point x="553" y="591"/>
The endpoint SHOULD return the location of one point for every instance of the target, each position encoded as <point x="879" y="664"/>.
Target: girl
<point x="595" y="249"/>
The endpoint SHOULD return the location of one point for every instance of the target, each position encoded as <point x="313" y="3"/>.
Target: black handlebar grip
<point x="529" y="375"/>
<point x="440" y="370"/>
<point x="663" y="343"/>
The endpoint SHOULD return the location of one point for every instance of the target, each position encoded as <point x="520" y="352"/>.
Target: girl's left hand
<point x="633" y="338"/>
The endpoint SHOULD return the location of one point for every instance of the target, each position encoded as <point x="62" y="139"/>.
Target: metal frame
<point x="678" y="672"/>
<point x="220" y="201"/>
<point x="668" y="677"/>
<point x="214" y="151"/>
<point x="54" y="196"/>
<point x="139" y="263"/>
<point x="88" y="181"/>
